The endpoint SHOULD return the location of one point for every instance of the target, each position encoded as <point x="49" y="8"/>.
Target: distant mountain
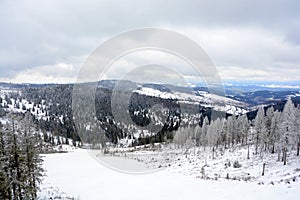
<point x="238" y="88"/>
<point x="264" y="96"/>
<point x="23" y="85"/>
<point x="51" y="104"/>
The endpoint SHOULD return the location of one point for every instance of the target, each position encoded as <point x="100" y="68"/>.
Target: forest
<point x="271" y="131"/>
<point x="20" y="160"/>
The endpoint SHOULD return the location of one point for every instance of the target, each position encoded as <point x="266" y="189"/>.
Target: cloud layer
<point x="48" y="41"/>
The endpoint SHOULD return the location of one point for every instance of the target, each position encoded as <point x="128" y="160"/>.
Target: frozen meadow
<point x="79" y="176"/>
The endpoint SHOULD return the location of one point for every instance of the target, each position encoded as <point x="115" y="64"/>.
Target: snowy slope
<point x="79" y="175"/>
<point x="204" y="98"/>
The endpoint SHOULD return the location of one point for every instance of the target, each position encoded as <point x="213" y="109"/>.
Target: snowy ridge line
<point x="205" y="99"/>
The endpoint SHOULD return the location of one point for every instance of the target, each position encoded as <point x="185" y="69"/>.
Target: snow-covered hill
<point x="79" y="176"/>
<point x="52" y="107"/>
<point x="202" y="98"/>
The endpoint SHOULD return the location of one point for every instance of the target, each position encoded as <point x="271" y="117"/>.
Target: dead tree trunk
<point x="263" y="171"/>
<point x="248" y="153"/>
<point x="273" y="149"/>
<point x="298" y="148"/>
<point x="284" y="156"/>
<point x="256" y="144"/>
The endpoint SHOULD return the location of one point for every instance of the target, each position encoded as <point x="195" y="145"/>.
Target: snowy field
<point x="77" y="174"/>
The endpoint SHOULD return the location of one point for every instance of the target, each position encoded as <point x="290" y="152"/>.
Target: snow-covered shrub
<point x="236" y="164"/>
<point x="227" y="164"/>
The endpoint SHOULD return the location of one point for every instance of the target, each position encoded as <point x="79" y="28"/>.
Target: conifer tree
<point x="20" y="162"/>
<point x="288" y="128"/>
<point x="259" y="124"/>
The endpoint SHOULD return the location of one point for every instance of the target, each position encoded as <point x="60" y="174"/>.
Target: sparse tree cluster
<point x="270" y="131"/>
<point x="20" y="162"/>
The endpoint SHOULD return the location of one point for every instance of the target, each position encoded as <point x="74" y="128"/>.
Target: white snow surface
<point x="80" y="176"/>
<point x="208" y="100"/>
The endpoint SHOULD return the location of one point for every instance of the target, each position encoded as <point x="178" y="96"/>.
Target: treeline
<point x="56" y="103"/>
<point x="111" y="127"/>
<point x="59" y="118"/>
<point x="20" y="162"/>
<point x="52" y="102"/>
<point x="271" y="131"/>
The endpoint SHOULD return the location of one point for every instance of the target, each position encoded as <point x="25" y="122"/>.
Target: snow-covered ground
<point x="219" y="103"/>
<point x="79" y="175"/>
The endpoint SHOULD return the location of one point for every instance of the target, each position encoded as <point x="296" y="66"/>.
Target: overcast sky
<point x="47" y="41"/>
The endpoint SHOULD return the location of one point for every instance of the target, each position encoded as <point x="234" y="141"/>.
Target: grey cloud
<point x="35" y="33"/>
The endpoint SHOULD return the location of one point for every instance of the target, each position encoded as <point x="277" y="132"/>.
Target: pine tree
<point x="270" y="129"/>
<point x="67" y="141"/>
<point x="288" y="128"/>
<point x="213" y="134"/>
<point x="20" y="162"/>
<point x="245" y="126"/>
<point x="58" y="140"/>
<point x="275" y="133"/>
<point x="16" y="163"/>
<point x="198" y="133"/>
<point x="259" y="124"/>
<point x="298" y="129"/>
<point x="32" y="161"/>
<point x="224" y="133"/>
<point x="230" y="133"/>
<point x="5" y="192"/>
<point x="204" y="131"/>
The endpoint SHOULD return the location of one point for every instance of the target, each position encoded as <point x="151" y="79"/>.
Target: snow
<point x="3" y="120"/>
<point x="282" y="86"/>
<point x="34" y="109"/>
<point x="219" y="103"/>
<point x="64" y="147"/>
<point x="81" y="176"/>
<point x="155" y="93"/>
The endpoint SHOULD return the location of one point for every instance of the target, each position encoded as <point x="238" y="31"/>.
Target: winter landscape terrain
<point x="149" y="99"/>
<point x="94" y="181"/>
<point x="251" y="152"/>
